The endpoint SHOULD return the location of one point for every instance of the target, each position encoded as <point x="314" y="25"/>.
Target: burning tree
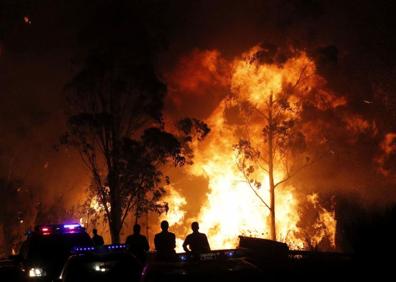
<point x="271" y="96"/>
<point x="279" y="134"/>
<point x="232" y="158"/>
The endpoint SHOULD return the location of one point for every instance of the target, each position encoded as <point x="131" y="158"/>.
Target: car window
<point x="57" y="245"/>
<point x="233" y="270"/>
<point x="102" y="269"/>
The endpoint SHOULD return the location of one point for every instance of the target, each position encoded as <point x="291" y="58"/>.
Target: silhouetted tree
<point x="152" y="152"/>
<point x="55" y="211"/>
<point x="116" y="124"/>
<point x="112" y="102"/>
<point x="115" y="110"/>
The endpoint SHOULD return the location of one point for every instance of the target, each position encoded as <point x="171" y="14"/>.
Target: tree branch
<point x="299" y="77"/>
<point x="260" y="112"/>
<point x="262" y="167"/>
<point x="99" y="187"/>
<point x="252" y="188"/>
<point x="293" y="174"/>
<point x="126" y="210"/>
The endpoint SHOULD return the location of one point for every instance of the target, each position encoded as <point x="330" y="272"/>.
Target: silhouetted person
<point x="138" y="244"/>
<point x="97" y="239"/>
<point x="165" y="242"/>
<point x="196" y="242"/>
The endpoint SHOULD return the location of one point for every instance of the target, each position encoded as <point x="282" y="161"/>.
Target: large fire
<point x="232" y="207"/>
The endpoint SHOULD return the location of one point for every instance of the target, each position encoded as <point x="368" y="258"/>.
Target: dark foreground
<point x="254" y="260"/>
<point x="313" y="267"/>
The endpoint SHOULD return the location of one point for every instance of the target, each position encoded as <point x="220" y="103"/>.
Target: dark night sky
<point x="36" y="62"/>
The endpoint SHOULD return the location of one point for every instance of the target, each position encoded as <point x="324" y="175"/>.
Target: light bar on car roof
<point x="71" y="226"/>
<point x="83" y="249"/>
<point x="116" y="246"/>
<point x="49" y="229"/>
<point x="212" y="255"/>
<point x="100" y="249"/>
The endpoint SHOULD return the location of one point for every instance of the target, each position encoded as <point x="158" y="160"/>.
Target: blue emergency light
<point x="100" y="249"/>
<point x="116" y="246"/>
<point x="230" y="253"/>
<point x="84" y="249"/>
<point x="183" y="257"/>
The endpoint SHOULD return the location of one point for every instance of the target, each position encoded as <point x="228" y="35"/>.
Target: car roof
<point x="101" y="256"/>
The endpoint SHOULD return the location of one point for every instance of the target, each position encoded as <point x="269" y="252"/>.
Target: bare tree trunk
<point x="116" y="211"/>
<point x="115" y="223"/>
<point x="271" y="170"/>
<point x="137" y="211"/>
<point x="147" y="224"/>
<point x="137" y="215"/>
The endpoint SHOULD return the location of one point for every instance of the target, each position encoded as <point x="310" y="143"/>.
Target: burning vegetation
<point x="268" y="115"/>
<point x="260" y="141"/>
<point x="273" y="134"/>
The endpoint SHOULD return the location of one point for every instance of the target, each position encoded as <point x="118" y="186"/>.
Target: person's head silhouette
<point x="94" y="231"/>
<point x="164" y="225"/>
<point x="136" y="229"/>
<point x="195" y="226"/>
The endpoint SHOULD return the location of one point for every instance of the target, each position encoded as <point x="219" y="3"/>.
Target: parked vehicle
<point x="103" y="264"/>
<point x="44" y="252"/>
<point x="221" y="265"/>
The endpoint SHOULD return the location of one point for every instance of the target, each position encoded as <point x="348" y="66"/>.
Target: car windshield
<point x="100" y="268"/>
<point x="230" y="270"/>
<point x="56" y="245"/>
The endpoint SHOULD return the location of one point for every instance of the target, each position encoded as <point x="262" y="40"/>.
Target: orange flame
<point x="175" y="214"/>
<point x="176" y="202"/>
<point x="325" y="224"/>
<point x="232" y="208"/>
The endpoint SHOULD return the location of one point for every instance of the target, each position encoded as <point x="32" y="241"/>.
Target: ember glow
<point x="387" y="151"/>
<point x="95" y="205"/>
<point x="232" y="208"/>
<point x="27" y="20"/>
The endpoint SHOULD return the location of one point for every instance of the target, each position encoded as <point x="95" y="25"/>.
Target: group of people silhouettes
<point x="164" y="242"/>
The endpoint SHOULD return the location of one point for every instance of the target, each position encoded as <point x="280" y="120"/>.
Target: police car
<point x="101" y="264"/>
<point x="219" y="265"/>
<point x="44" y="252"/>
